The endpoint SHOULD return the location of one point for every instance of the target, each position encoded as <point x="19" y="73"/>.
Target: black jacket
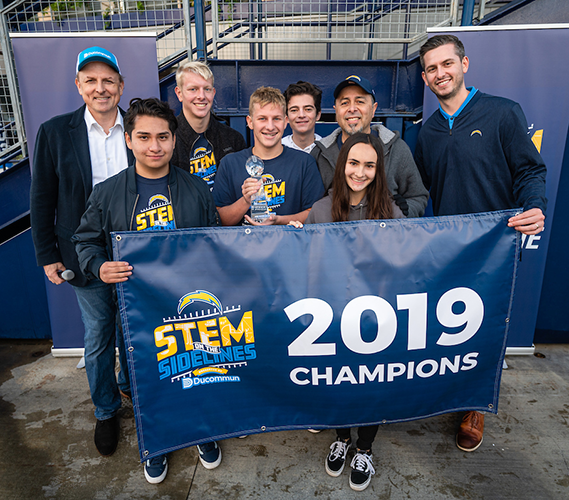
<point x="223" y="140"/>
<point x="112" y="204"/>
<point x="62" y="181"/>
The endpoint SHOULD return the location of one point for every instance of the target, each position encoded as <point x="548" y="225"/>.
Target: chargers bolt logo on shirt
<point x="157" y="216"/>
<point x="536" y="137"/>
<point x="205" y="344"/>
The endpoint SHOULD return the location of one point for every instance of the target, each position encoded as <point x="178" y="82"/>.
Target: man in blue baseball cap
<point x="99" y="54"/>
<point x="74" y="152"/>
<point x="355" y="105"/>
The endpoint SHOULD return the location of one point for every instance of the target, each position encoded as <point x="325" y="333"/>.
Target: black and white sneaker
<point x="362" y="470"/>
<point x="336" y="459"/>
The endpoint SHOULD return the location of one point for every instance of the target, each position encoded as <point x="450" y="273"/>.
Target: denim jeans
<point x="99" y="314"/>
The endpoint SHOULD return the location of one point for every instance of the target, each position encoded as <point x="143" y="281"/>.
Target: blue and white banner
<point x="242" y="330"/>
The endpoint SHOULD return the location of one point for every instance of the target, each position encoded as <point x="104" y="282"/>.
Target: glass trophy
<point x="259" y="202"/>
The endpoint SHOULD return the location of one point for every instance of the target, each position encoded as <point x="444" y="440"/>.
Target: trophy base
<point x="260" y="218"/>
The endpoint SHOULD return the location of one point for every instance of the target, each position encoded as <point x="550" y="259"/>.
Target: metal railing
<point x="223" y="29"/>
<point x="324" y="29"/>
<point x="165" y="17"/>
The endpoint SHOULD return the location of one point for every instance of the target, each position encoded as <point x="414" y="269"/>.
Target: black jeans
<point x="366" y="435"/>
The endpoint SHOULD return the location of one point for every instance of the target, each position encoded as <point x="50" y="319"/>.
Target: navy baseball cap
<point x="363" y="83"/>
<point x="99" y="54"/>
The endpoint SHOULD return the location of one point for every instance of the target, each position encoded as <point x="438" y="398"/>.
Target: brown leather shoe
<point x="470" y="434"/>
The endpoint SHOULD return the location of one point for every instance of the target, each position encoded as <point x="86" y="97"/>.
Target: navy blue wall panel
<point x="553" y="315"/>
<point x="398" y="84"/>
<point x="22" y="294"/>
<point x="15" y="188"/>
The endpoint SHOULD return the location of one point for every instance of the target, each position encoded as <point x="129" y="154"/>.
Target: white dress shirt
<point x="108" y="152"/>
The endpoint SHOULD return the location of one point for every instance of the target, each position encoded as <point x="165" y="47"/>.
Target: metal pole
<point x="259" y="29"/>
<point x="199" y="16"/>
<point x="215" y="26"/>
<point x="371" y="24"/>
<point x="406" y="33"/>
<point x="467" y="12"/>
<point x="482" y="9"/>
<point x="12" y="84"/>
<point x="251" y="29"/>
<point x="329" y="32"/>
<point x="453" y="12"/>
<point x="188" y="27"/>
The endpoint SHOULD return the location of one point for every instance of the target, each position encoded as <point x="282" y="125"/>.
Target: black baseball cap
<point x="363" y="83"/>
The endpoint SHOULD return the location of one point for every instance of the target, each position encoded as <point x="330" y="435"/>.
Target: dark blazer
<point x="112" y="207"/>
<point x="61" y="184"/>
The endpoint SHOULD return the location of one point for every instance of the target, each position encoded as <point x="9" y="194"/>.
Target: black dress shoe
<point x="107" y="435"/>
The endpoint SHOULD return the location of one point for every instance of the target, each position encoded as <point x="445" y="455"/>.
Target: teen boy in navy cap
<point x="355" y="106"/>
<point x="74" y="152"/>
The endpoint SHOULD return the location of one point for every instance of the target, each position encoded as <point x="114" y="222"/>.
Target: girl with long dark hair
<point x="359" y="191"/>
<point x="359" y="188"/>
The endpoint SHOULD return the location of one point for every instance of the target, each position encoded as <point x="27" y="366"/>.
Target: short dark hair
<point x="438" y="41"/>
<point x="149" y="107"/>
<point x="301" y="88"/>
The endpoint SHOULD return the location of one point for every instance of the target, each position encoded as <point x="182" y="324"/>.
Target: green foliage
<point x="107" y="18"/>
<point x="64" y="8"/>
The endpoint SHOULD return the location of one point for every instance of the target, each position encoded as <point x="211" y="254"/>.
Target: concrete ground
<point x="47" y="450"/>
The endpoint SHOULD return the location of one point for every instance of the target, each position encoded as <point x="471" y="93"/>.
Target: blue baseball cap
<point x="363" y="83"/>
<point x="93" y="54"/>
